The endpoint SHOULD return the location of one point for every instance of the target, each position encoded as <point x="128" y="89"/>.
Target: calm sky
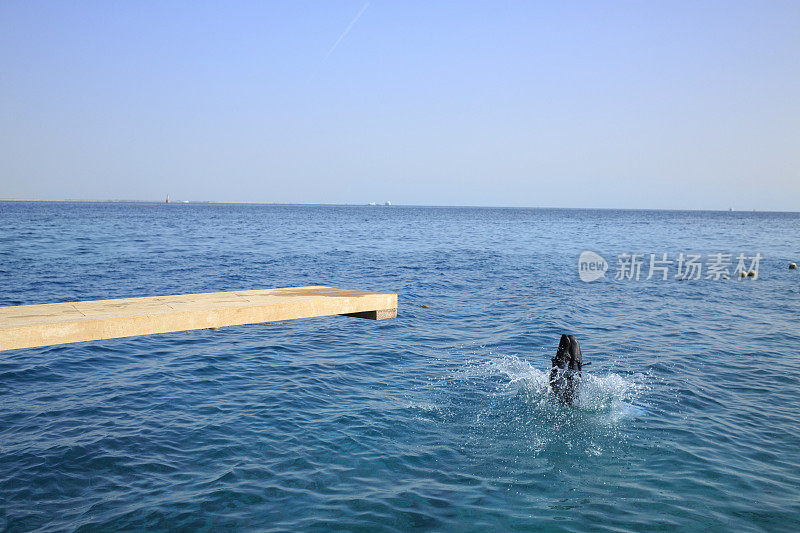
<point x="643" y="104"/>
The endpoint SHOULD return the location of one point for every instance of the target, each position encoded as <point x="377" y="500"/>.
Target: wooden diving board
<point x="28" y="326"/>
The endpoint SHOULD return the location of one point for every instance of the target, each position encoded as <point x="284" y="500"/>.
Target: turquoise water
<point x="438" y="420"/>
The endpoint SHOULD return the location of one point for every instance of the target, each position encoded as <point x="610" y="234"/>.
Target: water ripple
<point x="438" y="420"/>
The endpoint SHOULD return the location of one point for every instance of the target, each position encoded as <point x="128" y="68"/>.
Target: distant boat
<point x="372" y="203"/>
<point x="388" y="203"/>
<point x="167" y="199"/>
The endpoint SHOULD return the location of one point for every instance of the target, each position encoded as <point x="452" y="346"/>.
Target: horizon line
<point x="334" y="204"/>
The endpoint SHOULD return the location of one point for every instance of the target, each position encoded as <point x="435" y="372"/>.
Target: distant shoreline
<point x="69" y="200"/>
<point x="216" y="202"/>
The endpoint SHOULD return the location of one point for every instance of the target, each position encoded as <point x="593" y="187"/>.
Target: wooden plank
<point x="27" y="326"/>
<point x="379" y="314"/>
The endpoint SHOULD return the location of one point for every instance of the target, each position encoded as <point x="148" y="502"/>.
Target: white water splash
<point x="611" y="396"/>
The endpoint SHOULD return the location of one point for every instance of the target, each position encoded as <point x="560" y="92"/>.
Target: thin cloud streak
<point x="346" y="31"/>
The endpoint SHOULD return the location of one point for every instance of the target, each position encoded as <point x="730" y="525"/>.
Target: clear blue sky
<point x="567" y="104"/>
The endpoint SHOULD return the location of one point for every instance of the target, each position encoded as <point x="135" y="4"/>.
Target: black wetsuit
<point x="566" y="371"/>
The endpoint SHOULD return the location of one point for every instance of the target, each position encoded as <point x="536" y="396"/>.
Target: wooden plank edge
<point x="380" y="314"/>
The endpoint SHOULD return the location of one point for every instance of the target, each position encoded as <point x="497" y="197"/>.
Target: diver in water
<point x="565" y="374"/>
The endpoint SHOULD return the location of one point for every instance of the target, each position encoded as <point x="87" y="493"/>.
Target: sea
<point x="688" y="417"/>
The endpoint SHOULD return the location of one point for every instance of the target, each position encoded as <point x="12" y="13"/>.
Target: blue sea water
<point x="689" y="417"/>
